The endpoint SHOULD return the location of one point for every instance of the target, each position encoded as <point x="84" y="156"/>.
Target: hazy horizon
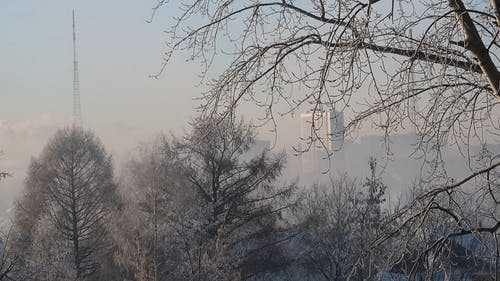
<point x="118" y="51"/>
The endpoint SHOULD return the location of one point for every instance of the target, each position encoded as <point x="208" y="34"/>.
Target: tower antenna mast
<point x="77" y="112"/>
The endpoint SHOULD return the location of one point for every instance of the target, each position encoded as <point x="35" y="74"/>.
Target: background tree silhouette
<point x="61" y="220"/>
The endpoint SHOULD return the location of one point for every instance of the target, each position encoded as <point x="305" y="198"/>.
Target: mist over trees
<point x="430" y="65"/>
<point x="204" y="206"/>
<point x="60" y="228"/>
<point x="385" y="57"/>
<point x="210" y="213"/>
<point x="341" y="221"/>
<point x="199" y="207"/>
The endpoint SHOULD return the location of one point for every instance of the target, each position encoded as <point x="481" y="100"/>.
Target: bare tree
<point x="428" y="64"/>
<point x="239" y="199"/>
<point x="339" y="224"/>
<point x="396" y="52"/>
<point x="8" y="259"/>
<point x="203" y="207"/>
<point x="146" y="238"/>
<point x="374" y="197"/>
<point x="330" y="217"/>
<point x="70" y="196"/>
<point x="433" y="244"/>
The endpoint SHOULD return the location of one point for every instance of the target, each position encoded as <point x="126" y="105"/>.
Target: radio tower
<point x="77" y="112"/>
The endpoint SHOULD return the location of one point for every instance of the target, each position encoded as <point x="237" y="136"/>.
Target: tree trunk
<point x="474" y="44"/>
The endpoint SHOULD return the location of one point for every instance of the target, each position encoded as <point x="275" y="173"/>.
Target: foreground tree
<point x="61" y="221"/>
<point x="339" y="224"/>
<point x="206" y="207"/>
<point x="331" y="236"/>
<point x="8" y="260"/>
<point x="238" y="197"/>
<point x="396" y="52"/>
<point x="146" y="238"/>
<point x="428" y="64"/>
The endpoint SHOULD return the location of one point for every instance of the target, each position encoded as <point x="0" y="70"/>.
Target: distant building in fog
<point x="321" y="133"/>
<point x="322" y="128"/>
<point x="325" y="153"/>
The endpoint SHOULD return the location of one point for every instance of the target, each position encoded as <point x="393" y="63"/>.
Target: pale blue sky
<point x="117" y="50"/>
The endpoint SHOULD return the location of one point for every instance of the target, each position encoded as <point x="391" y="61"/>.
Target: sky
<point x="117" y="52"/>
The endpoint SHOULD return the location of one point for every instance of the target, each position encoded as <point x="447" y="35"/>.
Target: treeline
<point x="202" y="207"/>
